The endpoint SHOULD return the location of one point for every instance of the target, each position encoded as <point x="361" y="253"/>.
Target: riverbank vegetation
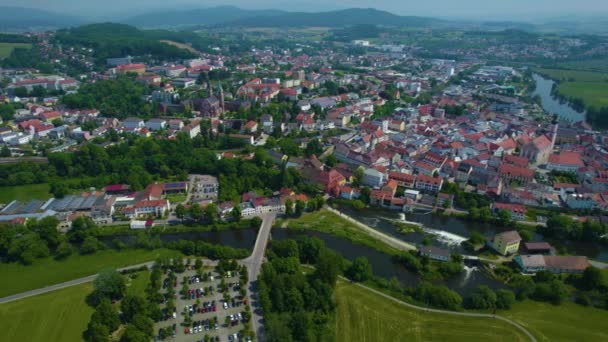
<point x="327" y="222"/>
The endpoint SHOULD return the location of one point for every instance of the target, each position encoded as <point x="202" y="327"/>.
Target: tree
<point x="211" y="212"/>
<point x="132" y="305"/>
<point x="236" y="213"/>
<point x="592" y="278"/>
<point x="360" y="270"/>
<point x="482" y="298"/>
<point x="97" y="332"/>
<point x="358" y="176"/>
<point x="196" y="212"/>
<point x="106" y="314"/>
<point x="89" y="245"/>
<point x="288" y="207"/>
<point x="328" y="267"/>
<point x="5" y="152"/>
<point x="504" y="299"/>
<point x="300" y="206"/>
<point x="180" y="211"/>
<point x="109" y="284"/>
<point x="132" y="334"/>
<point x="143" y="324"/>
<point x="59" y="189"/>
<point x="504" y="217"/>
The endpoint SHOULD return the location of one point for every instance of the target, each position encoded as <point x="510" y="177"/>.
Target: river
<point x="449" y="231"/>
<point x="553" y="105"/>
<point x="383" y="265"/>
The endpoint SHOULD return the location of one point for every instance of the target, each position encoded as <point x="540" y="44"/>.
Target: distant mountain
<point x="203" y="16"/>
<point x="21" y="18"/>
<point x="340" y="18"/>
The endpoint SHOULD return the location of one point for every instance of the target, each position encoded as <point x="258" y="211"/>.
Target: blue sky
<point x="492" y="9"/>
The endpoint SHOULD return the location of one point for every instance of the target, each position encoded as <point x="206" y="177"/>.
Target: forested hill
<point x="14" y="18"/>
<point x="340" y="18"/>
<point x="111" y="40"/>
<point x="203" y="16"/>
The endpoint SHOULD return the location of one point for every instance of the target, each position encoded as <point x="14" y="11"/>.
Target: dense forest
<point x="116" y="98"/>
<point x="140" y="161"/>
<point x="116" y="40"/>
<point x="297" y="306"/>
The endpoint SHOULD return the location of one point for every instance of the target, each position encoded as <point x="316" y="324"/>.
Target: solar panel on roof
<point x="175" y="185"/>
<point x="31" y="207"/>
<point x="88" y="202"/>
<point x="75" y="204"/>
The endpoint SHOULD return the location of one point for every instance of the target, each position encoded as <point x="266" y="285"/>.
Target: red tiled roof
<point x="515" y="171"/>
<point x="566" y="158"/>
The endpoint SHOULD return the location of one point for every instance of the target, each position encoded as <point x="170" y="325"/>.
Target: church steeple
<point x="221" y="91"/>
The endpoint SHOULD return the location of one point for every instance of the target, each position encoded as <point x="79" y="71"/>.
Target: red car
<point x="186" y="330"/>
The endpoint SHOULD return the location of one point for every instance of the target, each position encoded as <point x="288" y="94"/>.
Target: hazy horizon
<point x="516" y="10"/>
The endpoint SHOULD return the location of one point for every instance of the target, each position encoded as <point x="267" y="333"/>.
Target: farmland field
<point x="365" y="316"/>
<point x="589" y="86"/>
<point x="58" y="316"/>
<point x="7" y="48"/>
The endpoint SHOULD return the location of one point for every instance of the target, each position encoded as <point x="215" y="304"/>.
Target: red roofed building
<point x="137" y="68"/>
<point x="251" y="126"/>
<point x="49" y="116"/>
<point x="153" y="192"/>
<point x="427" y="183"/>
<point x="510" y="172"/>
<point x="516" y="161"/>
<point x="565" y="161"/>
<point x="403" y="179"/>
<point x="517" y="211"/>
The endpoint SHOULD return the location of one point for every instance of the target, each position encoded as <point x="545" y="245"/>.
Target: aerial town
<point x="220" y="184"/>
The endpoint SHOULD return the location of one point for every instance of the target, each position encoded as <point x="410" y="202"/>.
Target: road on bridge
<point x="254" y="264"/>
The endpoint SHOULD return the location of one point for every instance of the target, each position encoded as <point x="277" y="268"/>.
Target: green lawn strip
<point x="137" y="282"/>
<point x="565" y="322"/>
<point x="17" y="278"/>
<point x="24" y="192"/>
<point x="327" y="222"/>
<point x="362" y="315"/>
<point x="60" y="316"/>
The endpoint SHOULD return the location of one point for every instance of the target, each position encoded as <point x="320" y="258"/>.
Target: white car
<point x="174" y="314"/>
<point x="225" y="305"/>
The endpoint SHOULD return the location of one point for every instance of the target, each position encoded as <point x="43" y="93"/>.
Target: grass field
<point x="328" y="222"/>
<point x="566" y="322"/>
<point x="362" y="315"/>
<point x="591" y="87"/>
<point x="137" y="282"/>
<point x="24" y="192"/>
<point x="58" y="316"/>
<point x="7" y="48"/>
<point x="18" y="278"/>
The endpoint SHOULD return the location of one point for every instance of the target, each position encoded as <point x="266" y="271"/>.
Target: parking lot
<point x="208" y="307"/>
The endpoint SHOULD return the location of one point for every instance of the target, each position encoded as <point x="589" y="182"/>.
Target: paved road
<point x="389" y="240"/>
<point x="254" y="264"/>
<point x="455" y="313"/>
<point x="63" y="285"/>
